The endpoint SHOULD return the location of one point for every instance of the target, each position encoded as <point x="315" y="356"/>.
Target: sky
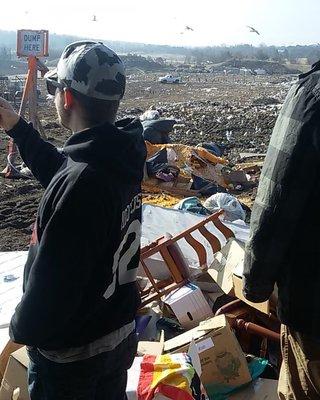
<point x="214" y="22"/>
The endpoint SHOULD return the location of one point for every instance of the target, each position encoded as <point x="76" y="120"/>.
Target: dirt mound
<point x="271" y="67"/>
<point x="136" y="61"/>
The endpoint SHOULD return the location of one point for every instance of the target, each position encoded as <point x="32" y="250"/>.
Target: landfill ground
<point x="206" y="107"/>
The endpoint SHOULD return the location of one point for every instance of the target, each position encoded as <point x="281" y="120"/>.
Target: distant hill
<point x="244" y="53"/>
<point x="130" y="61"/>
<point x="58" y="42"/>
<point x="293" y="54"/>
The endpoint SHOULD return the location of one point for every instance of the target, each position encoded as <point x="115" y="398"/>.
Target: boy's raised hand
<point x="8" y="117"/>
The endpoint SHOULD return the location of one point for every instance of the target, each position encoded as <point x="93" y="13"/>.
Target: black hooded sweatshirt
<point x="80" y="275"/>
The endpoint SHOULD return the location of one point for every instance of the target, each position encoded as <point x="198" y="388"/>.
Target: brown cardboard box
<point x="15" y="376"/>
<point x="9" y="348"/>
<point x="234" y="177"/>
<point x="151" y="348"/>
<point x="224" y="263"/>
<point x="238" y="286"/>
<point x="222" y="360"/>
<point x="260" y="389"/>
<point x="226" y="270"/>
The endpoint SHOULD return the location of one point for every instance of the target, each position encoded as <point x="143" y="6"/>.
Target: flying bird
<point x="94" y="18"/>
<point x="253" y="30"/>
<point x="188" y="28"/>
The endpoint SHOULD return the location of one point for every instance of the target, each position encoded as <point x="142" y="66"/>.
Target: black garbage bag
<point x="157" y="131"/>
<point x="157" y="162"/>
<point x="206" y="187"/>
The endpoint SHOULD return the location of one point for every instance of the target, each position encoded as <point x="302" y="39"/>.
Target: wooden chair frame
<point x="173" y="259"/>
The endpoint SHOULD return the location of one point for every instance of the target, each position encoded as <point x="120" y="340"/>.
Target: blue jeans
<point x="102" y="377"/>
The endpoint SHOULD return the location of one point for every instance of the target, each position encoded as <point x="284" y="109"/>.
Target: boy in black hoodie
<point x="80" y="297"/>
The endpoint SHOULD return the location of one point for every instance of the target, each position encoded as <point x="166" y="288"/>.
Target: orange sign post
<point x="31" y="44"/>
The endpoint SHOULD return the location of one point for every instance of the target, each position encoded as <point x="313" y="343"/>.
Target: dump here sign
<point x="32" y="43"/>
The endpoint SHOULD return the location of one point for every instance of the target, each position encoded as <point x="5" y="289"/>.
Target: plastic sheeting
<point x="230" y="204"/>
<point x="158" y="220"/>
<point x="11" y="280"/>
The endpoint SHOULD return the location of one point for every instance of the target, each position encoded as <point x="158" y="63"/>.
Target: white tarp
<point x="156" y="221"/>
<point x="11" y="280"/>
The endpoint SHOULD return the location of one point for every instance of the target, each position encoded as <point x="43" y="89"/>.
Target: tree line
<point x="215" y="54"/>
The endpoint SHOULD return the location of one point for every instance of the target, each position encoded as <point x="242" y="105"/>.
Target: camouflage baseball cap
<point x="92" y="69"/>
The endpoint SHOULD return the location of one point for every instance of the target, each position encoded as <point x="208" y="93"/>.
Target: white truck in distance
<point x="169" y="79"/>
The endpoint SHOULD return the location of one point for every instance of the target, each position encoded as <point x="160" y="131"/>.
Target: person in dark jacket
<point x="283" y="247"/>
<point x="80" y="297"/>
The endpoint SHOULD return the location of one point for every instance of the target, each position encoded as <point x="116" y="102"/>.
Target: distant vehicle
<point x="169" y="79"/>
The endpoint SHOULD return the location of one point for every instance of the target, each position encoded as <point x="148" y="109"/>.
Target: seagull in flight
<point x="188" y="28"/>
<point x="253" y="30"/>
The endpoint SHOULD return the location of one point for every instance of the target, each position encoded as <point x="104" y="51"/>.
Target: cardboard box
<point x="8" y="349"/>
<point x="238" y="286"/>
<point x="226" y="270"/>
<point x="234" y="177"/>
<point x="260" y="389"/>
<point x="225" y="262"/>
<point x="212" y="298"/>
<point x="189" y="305"/>
<point x="15" y="376"/>
<point x="133" y="379"/>
<point x="222" y="360"/>
<point x="151" y="348"/>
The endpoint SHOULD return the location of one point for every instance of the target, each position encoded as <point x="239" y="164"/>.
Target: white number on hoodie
<point x="120" y="265"/>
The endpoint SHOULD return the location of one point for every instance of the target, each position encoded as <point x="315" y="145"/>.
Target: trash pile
<point x="198" y="337"/>
<point x="194" y="325"/>
<point x="182" y="171"/>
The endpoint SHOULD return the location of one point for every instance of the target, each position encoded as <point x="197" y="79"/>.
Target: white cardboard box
<point x="189" y="305"/>
<point x="133" y="379"/>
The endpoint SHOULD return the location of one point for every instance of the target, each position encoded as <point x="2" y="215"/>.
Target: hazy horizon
<point x="211" y="22"/>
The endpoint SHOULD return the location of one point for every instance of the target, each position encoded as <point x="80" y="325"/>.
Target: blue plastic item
<point x="221" y="392"/>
